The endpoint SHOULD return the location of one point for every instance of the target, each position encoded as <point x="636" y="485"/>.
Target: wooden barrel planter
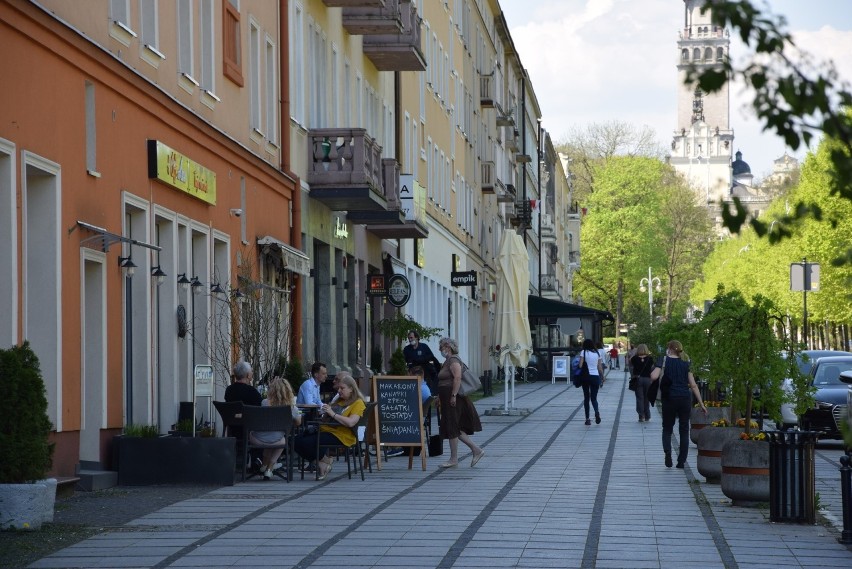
<point x="698" y="420"/>
<point x="711" y="441"/>
<point x="745" y="472"/>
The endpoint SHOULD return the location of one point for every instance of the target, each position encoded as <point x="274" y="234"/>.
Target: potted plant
<point x="710" y="442"/>
<point x="397" y="328"/>
<point x="698" y="420"/>
<point x="745" y="466"/>
<point x="26" y="497"/>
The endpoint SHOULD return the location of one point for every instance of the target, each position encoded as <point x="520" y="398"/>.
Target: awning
<point x="294" y="260"/>
<point x="549" y="308"/>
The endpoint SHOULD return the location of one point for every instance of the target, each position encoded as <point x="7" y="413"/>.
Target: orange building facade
<point x="116" y="152"/>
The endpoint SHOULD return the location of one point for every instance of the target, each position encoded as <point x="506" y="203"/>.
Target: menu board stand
<point x="400" y="416"/>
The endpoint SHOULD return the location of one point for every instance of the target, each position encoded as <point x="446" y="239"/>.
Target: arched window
<point x="696" y="54"/>
<point x="684" y="55"/>
<point x="708" y="54"/>
<point x="720" y="54"/>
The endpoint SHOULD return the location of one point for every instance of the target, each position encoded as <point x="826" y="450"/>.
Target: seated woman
<point x="338" y="419"/>
<point x="279" y="394"/>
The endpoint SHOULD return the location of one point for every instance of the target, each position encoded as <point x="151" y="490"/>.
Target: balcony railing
<point x="549" y="283"/>
<point x="505" y="194"/>
<point x="486" y="90"/>
<point x="344" y="169"/>
<point x="384" y="19"/>
<point x="353" y="3"/>
<point x="487" y="177"/>
<point x="398" y="51"/>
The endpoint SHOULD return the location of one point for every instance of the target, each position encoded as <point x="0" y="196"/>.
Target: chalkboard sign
<point x="400" y="413"/>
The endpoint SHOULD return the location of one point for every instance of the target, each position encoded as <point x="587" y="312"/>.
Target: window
<point x="91" y="131"/>
<point x="120" y="12"/>
<point x="208" y="57"/>
<point x="271" y="77"/>
<point x="148" y="23"/>
<point x="297" y="66"/>
<point x="254" y="76"/>
<point x="232" y="56"/>
<point x="185" y="40"/>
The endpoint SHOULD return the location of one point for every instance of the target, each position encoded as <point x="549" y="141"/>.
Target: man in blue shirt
<point x="309" y="392"/>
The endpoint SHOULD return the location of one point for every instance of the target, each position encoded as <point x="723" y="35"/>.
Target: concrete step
<point x="65" y="486"/>
<point x="92" y="480"/>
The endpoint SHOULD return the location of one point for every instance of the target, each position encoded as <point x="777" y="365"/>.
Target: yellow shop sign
<point x="176" y="170"/>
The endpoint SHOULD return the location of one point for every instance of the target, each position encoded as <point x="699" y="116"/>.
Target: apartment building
<point x="141" y="149"/>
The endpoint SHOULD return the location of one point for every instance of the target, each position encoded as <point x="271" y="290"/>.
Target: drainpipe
<point x="296" y="203"/>
<point x="523" y="119"/>
<point x="540" y="206"/>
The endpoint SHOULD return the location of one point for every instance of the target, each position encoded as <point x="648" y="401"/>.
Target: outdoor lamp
<point x="158" y="274"/>
<point x="238" y="295"/>
<point x="195" y="284"/>
<point x="183" y="281"/>
<point x="216" y="289"/>
<point x="127" y="265"/>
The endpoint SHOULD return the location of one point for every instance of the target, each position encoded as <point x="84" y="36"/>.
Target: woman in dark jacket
<point x="677" y="402"/>
<point x="641" y="365"/>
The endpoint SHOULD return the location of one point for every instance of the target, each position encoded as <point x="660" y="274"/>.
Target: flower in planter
<point x="721" y="423"/>
<point x="761" y="436"/>
<point x="742" y="423"/>
<point x="715" y="404"/>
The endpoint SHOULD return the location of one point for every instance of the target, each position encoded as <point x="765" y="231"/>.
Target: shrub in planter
<point x="24" y="445"/>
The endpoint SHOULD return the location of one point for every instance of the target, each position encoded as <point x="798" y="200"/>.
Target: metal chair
<point x="354" y="451"/>
<point x="231" y="413"/>
<point x="258" y="419"/>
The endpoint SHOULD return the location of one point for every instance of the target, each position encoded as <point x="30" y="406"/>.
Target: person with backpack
<point x="592" y="377"/>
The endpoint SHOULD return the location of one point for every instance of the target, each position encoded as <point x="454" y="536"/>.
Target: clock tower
<point x="703" y="140"/>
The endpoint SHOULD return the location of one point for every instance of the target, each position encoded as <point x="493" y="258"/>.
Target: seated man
<point x="242" y="390"/>
<point x="309" y="392"/>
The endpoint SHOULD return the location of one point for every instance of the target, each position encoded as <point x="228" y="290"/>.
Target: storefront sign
<point x="412" y="198"/>
<point x="399" y="290"/>
<point x="466" y="278"/>
<point x="376" y="285"/>
<point x="204" y="381"/>
<point x="340" y="229"/>
<point x="176" y="170"/>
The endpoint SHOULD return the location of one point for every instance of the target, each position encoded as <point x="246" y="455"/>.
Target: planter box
<point x="27" y="506"/>
<point x="745" y="472"/>
<point x="711" y="441"/>
<point x="698" y="421"/>
<point x="175" y="460"/>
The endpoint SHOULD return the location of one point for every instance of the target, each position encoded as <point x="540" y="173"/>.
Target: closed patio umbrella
<point x="512" y="326"/>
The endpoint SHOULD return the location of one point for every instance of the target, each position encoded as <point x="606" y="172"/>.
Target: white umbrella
<point x="512" y="328"/>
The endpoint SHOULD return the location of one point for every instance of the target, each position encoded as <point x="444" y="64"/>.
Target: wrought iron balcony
<point x="398" y="51"/>
<point x="487" y="177"/>
<point x="345" y="169"/>
<point x="353" y="3"/>
<point x="385" y="19"/>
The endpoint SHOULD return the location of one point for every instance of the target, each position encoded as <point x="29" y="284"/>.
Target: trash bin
<point x="486" y="383"/>
<point x="791" y="476"/>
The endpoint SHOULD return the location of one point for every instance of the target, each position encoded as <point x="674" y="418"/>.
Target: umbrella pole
<point x="506" y="383"/>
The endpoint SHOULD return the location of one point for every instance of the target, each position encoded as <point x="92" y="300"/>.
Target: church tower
<point x="703" y="140"/>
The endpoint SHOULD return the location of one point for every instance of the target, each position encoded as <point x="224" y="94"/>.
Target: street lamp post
<point x="649" y="283"/>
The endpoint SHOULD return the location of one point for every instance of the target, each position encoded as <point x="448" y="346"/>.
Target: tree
<point x="792" y="98"/>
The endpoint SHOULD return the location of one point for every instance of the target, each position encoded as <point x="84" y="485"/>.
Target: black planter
<point x="175" y="460"/>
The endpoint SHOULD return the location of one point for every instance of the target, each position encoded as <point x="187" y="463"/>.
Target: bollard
<point x="846" y="497"/>
<point x="792" y="476"/>
<point x="486" y="383"/>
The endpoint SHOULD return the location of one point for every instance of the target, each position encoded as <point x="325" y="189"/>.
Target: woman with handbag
<point x="459" y="418"/>
<point x="591" y="379"/>
<point x="676" y="381"/>
<point x="642" y="364"/>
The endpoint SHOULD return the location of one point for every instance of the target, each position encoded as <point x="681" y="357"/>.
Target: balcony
<point x="547" y="230"/>
<point x="398" y="51"/>
<point x="345" y="169"/>
<point x="550" y="287"/>
<point x="486" y="90"/>
<point x="522" y="216"/>
<point x="513" y="138"/>
<point x="505" y="194"/>
<point x="380" y="20"/>
<point x="353" y="3"/>
<point x="389" y="223"/>
<point x="487" y="177"/>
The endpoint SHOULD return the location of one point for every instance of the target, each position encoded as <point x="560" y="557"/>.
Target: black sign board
<point x="463" y="278"/>
<point x="399" y="290"/>
<point x="400" y="417"/>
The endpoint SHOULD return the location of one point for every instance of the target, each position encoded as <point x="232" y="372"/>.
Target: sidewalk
<point x="550" y="492"/>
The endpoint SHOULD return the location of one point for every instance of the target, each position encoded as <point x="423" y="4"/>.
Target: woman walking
<point x="641" y="365"/>
<point x="593" y="381"/>
<point x="676" y="399"/>
<point x="459" y="418"/>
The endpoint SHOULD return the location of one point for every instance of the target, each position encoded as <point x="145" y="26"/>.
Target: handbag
<point x="631" y="385"/>
<point x="436" y="445"/>
<point x="469" y="382"/>
<point x="655" y="385"/>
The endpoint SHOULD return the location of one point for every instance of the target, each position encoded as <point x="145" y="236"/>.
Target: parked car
<point x="806" y="360"/>
<point x="830" y="397"/>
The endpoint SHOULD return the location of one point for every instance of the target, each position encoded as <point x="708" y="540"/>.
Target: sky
<point x="592" y="61"/>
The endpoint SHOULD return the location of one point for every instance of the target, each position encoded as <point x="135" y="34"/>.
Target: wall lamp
<point x="237" y="295"/>
<point x="127" y="265"/>
<point x="216" y="289"/>
<point x="195" y="284"/>
<point x="183" y="281"/>
<point x="158" y="274"/>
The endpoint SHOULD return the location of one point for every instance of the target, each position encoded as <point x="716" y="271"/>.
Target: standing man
<point x="309" y="392"/>
<point x="613" y="357"/>
<point x="417" y="354"/>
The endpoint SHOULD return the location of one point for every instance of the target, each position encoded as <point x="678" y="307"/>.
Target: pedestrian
<point x="591" y="381"/>
<point x="602" y="352"/>
<point x="613" y="356"/>
<point x="642" y="364"/>
<point x="459" y="418"/>
<point x="419" y="354"/>
<point x="676" y="381"/>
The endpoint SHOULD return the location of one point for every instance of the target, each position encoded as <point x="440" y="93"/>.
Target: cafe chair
<point x="352" y="454"/>
<point x="231" y="413"/>
<point x="257" y="419"/>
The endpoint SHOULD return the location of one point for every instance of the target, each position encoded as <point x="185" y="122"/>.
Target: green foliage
<point x="400" y="324"/>
<point x="145" y="431"/>
<point x="184" y="426"/>
<point x="397" y="363"/>
<point x="735" y="345"/>
<point x="25" y="449"/>
<point x="294" y="372"/>
<point x="795" y="100"/>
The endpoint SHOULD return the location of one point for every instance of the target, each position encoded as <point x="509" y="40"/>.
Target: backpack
<point x="575" y="366"/>
<point x="578" y="372"/>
